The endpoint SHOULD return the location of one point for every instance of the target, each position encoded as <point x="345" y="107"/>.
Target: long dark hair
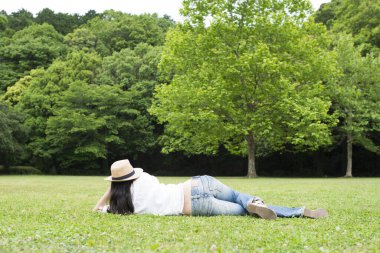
<point x="121" y="198"/>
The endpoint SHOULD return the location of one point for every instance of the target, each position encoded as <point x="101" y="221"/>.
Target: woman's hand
<point x="97" y="209"/>
<point x="103" y="201"/>
<point x="102" y="209"/>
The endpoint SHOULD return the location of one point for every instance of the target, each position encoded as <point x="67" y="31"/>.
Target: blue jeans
<point x="210" y="197"/>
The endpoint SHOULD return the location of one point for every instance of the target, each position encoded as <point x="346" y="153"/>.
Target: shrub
<point x="20" y="170"/>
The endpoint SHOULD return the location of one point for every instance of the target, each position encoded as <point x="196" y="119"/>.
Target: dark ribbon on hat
<point x="124" y="177"/>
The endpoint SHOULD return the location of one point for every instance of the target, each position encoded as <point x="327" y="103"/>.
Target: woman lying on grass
<point x="133" y="191"/>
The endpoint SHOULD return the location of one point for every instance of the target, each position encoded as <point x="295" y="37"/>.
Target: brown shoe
<point x="315" y="214"/>
<point x="262" y="211"/>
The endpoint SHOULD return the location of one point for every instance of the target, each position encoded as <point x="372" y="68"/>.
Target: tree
<point x="356" y="96"/>
<point x="135" y="72"/>
<point x="361" y="19"/>
<point x="20" y="19"/>
<point x="88" y="16"/>
<point x="14" y="93"/>
<point x="84" y="110"/>
<point x="117" y="30"/>
<point x="43" y="93"/>
<point x="249" y="80"/>
<point x="8" y="75"/>
<point x="130" y="67"/>
<point x="82" y="39"/>
<point x="3" y="22"/>
<point x="12" y="135"/>
<point x="90" y="121"/>
<point x="62" y="22"/>
<point x="34" y="46"/>
<point x="107" y="118"/>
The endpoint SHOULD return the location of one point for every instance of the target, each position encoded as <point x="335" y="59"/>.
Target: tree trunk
<point x="349" y="156"/>
<point x="251" y="157"/>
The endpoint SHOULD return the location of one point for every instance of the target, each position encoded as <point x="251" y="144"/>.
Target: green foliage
<point x="53" y="213"/>
<point x="255" y="72"/>
<point x="15" y="92"/>
<point x="356" y="93"/>
<point x="113" y="31"/>
<point x="3" y="22"/>
<point x="45" y="90"/>
<point x="129" y="67"/>
<point x="83" y="109"/>
<point x="358" y="18"/>
<point x="19" y="20"/>
<point x="34" y="46"/>
<point x="88" y="16"/>
<point x="88" y="120"/>
<point x="12" y="135"/>
<point x="117" y="30"/>
<point x="83" y="39"/>
<point x="62" y="22"/>
<point x="8" y="75"/>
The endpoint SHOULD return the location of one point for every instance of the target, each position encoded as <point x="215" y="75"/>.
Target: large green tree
<point x="356" y="96"/>
<point x="246" y="75"/>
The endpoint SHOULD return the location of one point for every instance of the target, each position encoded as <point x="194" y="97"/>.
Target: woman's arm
<point x="103" y="200"/>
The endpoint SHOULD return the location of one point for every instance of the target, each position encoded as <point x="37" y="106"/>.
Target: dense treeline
<point x="265" y="82"/>
<point x="84" y="96"/>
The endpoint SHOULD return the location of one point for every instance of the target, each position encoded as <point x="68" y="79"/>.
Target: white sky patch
<point x="161" y="7"/>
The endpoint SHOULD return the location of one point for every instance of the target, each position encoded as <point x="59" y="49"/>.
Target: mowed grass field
<point x="53" y="214"/>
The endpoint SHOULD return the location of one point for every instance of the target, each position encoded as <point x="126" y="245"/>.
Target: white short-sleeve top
<point x="151" y="197"/>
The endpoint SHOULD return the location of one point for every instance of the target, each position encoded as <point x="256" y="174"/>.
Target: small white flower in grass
<point x="321" y="249"/>
<point x="213" y="248"/>
<point x="337" y="228"/>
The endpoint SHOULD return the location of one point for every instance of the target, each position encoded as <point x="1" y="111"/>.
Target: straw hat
<point x="123" y="171"/>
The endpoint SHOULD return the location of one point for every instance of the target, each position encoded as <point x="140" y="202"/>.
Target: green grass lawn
<point x="53" y="214"/>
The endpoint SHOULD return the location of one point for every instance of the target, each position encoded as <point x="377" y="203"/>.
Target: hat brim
<point x="138" y="172"/>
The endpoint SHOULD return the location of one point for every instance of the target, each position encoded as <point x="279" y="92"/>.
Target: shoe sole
<point x="315" y="214"/>
<point x="262" y="212"/>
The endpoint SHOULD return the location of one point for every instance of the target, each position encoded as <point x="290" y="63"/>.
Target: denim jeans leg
<point x="287" y="212"/>
<point x="211" y="197"/>
<point x="223" y="192"/>
<point x="203" y="201"/>
<point x="222" y="207"/>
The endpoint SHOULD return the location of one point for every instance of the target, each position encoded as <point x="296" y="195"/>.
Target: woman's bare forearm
<point x="103" y="200"/>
